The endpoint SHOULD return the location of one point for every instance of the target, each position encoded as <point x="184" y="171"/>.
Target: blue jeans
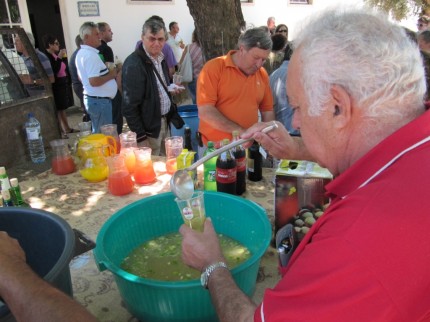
<point x="100" y="110"/>
<point x="192" y="90"/>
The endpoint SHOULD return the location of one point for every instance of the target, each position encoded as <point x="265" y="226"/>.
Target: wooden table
<point x="86" y="206"/>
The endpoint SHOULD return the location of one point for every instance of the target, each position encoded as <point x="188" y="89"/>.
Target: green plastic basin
<point x="159" y="301"/>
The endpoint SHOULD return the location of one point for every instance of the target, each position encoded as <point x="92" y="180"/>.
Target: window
<point x="9" y="13"/>
<point x="300" y="1"/>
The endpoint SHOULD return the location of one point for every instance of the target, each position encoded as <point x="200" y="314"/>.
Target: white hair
<point x="87" y="28"/>
<point x="368" y="56"/>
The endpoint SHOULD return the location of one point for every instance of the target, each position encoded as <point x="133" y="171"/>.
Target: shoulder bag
<point x="186" y="68"/>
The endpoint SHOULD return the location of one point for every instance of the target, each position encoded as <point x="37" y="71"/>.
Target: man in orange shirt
<point x="233" y="89"/>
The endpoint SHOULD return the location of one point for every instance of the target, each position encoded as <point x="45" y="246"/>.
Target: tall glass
<point x="62" y="161"/>
<point x="111" y="130"/>
<point x="193" y="210"/>
<point x="128" y="145"/>
<point x="119" y="179"/>
<point x="174" y="146"/>
<point x="144" y="169"/>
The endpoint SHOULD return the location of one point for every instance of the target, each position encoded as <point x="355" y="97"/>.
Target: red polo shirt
<point x="368" y="257"/>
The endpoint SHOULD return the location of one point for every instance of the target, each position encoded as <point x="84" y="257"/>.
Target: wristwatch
<point x="204" y="278"/>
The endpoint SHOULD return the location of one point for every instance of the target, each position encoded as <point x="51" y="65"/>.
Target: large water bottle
<point x="35" y="140"/>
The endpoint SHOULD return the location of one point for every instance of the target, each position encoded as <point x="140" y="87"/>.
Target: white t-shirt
<point x="174" y="44"/>
<point x="89" y="64"/>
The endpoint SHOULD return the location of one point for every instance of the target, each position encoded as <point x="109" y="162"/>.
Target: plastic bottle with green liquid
<point x="209" y="169"/>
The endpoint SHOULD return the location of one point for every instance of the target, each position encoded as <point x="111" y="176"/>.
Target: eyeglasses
<point x="283" y="30"/>
<point x="153" y="39"/>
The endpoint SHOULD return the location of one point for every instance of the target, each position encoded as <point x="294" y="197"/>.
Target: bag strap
<point x="159" y="78"/>
<point x="145" y="58"/>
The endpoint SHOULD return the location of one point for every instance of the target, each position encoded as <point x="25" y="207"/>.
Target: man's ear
<point x="341" y="106"/>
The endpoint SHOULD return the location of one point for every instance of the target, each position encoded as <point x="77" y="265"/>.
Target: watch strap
<point x="209" y="270"/>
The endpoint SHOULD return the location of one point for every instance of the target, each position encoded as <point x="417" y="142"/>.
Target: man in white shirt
<point x="175" y="41"/>
<point x="99" y="82"/>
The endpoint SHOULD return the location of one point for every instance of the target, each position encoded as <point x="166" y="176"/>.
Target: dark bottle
<point x="255" y="162"/>
<point x="239" y="154"/>
<point x="226" y="171"/>
<point x="187" y="138"/>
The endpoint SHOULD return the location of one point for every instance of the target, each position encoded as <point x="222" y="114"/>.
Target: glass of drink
<point x="128" y="144"/>
<point x="85" y="128"/>
<point x="62" y="161"/>
<point x="193" y="210"/>
<point x="144" y="169"/>
<point x="174" y="146"/>
<point x="177" y="79"/>
<point x="111" y="130"/>
<point x="119" y="179"/>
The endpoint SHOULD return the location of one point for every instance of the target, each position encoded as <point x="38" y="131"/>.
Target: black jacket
<point x="140" y="98"/>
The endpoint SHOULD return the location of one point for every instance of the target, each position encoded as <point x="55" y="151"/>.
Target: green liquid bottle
<point x="15" y="192"/>
<point x="4" y="179"/>
<point x="209" y="169"/>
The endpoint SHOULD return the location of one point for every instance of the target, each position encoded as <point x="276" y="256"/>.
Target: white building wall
<point x="126" y="20"/>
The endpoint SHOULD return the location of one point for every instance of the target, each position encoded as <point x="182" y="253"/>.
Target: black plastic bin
<point x="48" y="242"/>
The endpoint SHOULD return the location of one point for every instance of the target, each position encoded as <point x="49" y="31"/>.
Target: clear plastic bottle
<point x="34" y="139"/>
<point x="209" y="169"/>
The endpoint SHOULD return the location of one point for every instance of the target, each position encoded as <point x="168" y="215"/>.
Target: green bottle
<point x="4" y="179"/>
<point x="15" y="192"/>
<point x="209" y="169"/>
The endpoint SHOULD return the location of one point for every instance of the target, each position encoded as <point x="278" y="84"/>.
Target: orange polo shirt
<point x="237" y="96"/>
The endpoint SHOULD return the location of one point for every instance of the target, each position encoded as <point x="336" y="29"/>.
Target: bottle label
<point x="241" y="164"/>
<point x="250" y="165"/>
<point x="226" y="175"/>
<point x="32" y="133"/>
<point x="211" y="176"/>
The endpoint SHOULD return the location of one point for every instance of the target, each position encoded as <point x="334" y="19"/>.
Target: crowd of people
<point x="353" y="85"/>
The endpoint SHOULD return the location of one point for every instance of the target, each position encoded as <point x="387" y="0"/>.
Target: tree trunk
<point x="218" y="25"/>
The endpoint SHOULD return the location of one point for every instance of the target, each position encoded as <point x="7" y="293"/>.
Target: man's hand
<point x="200" y="249"/>
<point x="11" y="253"/>
<point x="277" y="142"/>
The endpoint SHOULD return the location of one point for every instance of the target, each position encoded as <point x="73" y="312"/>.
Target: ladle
<point x="181" y="182"/>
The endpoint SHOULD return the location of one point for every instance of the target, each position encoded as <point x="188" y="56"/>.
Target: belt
<point x="98" y="97"/>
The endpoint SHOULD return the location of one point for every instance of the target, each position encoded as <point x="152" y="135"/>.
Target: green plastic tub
<point x="159" y="301"/>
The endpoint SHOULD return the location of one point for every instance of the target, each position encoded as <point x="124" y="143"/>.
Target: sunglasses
<point x="283" y="30"/>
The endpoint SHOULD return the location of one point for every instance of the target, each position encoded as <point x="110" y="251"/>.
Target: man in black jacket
<point x="145" y="79"/>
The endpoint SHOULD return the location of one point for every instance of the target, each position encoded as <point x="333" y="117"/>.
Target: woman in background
<point x="197" y="62"/>
<point x="61" y="87"/>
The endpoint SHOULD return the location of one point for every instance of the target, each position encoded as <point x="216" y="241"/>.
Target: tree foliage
<point x="401" y="9"/>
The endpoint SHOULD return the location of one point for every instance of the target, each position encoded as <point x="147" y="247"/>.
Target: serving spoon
<point x="182" y="184"/>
